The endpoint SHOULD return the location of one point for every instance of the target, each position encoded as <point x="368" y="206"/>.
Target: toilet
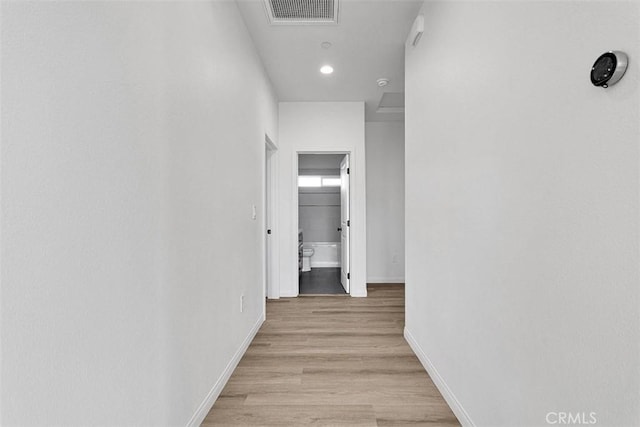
<point x="307" y="253"/>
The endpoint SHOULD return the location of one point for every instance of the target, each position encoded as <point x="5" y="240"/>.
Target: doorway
<point x="323" y="222"/>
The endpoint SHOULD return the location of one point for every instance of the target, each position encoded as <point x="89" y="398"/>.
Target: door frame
<point x="271" y="255"/>
<point x="296" y="222"/>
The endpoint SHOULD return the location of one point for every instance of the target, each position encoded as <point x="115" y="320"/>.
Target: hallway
<point x="332" y="361"/>
<point x="150" y="155"/>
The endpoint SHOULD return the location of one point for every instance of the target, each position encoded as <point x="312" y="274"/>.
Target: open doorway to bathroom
<point x="323" y="221"/>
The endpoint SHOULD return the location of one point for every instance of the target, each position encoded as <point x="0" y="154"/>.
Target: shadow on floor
<point x="321" y="281"/>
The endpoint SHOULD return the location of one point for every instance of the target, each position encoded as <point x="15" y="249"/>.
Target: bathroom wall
<point x="319" y="208"/>
<point x="319" y="214"/>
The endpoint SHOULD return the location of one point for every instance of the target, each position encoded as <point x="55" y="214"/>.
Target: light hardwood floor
<point x="332" y="361"/>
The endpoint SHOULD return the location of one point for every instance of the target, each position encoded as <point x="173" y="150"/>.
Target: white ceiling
<point x="367" y="44"/>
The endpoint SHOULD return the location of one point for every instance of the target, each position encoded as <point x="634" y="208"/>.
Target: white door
<point x="267" y="219"/>
<point x="271" y="255"/>
<point x="344" y="222"/>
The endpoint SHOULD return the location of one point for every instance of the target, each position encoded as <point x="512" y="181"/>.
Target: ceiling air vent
<point x="302" y="12"/>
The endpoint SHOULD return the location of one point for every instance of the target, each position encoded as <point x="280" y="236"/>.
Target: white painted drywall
<point x="132" y="152"/>
<point x="385" y="202"/>
<point x="319" y="213"/>
<point x="319" y="208"/>
<point x="315" y="127"/>
<point x="522" y="209"/>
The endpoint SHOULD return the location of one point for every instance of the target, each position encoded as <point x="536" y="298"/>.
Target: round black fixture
<point x="609" y="68"/>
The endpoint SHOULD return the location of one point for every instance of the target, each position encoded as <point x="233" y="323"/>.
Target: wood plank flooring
<point x="332" y="361"/>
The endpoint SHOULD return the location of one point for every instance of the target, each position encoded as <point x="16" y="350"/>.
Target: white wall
<point x="313" y="127"/>
<point x="319" y="207"/>
<point x="522" y="210"/>
<point x="319" y="213"/>
<point x="385" y="202"/>
<point x="123" y="258"/>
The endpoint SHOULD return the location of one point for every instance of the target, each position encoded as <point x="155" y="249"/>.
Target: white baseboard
<point x="206" y="405"/>
<point x="385" y="280"/>
<point x="442" y="386"/>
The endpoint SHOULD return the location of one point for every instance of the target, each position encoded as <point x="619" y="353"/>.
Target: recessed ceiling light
<point x="382" y="82"/>
<point x="326" y="69"/>
<point x="325" y="45"/>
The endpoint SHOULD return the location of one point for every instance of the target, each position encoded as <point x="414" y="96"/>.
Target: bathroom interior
<point x="319" y="247"/>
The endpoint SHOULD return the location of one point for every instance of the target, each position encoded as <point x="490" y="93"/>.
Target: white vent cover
<point x="302" y="12"/>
